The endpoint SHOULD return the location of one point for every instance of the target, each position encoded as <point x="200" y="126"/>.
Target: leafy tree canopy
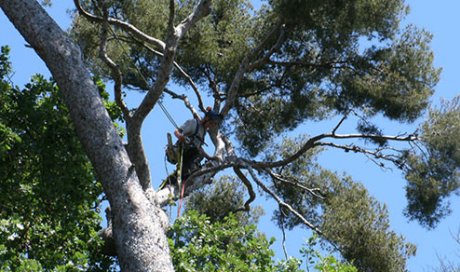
<point x="49" y="219"/>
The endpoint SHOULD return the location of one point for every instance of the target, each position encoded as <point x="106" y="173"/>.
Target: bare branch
<point x="373" y="155"/>
<point x="184" y="98"/>
<point x="121" y="24"/>
<point x="295" y="183"/>
<point x="247" y="183"/>
<point x="339" y="124"/>
<point x="185" y="75"/>
<point x="314" y="141"/>
<point x="282" y="203"/>
<point x="116" y="72"/>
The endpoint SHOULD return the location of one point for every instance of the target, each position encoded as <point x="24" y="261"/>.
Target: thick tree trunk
<point x="137" y="223"/>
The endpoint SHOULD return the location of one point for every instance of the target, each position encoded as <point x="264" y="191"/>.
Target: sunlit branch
<point x="167" y="63"/>
<point x="121" y="24"/>
<point x="185" y="75"/>
<point x="281" y="202"/>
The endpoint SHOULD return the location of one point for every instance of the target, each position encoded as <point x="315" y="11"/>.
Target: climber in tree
<point x="190" y="137"/>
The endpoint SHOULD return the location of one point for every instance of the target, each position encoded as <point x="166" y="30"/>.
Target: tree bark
<point x="138" y="225"/>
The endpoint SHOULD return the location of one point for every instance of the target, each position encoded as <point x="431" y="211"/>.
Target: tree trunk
<point x="138" y="225"/>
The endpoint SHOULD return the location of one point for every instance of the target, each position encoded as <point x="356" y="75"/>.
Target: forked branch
<point x="121" y="24"/>
<point x="282" y="203"/>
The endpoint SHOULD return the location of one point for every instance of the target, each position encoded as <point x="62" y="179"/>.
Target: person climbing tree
<point x="187" y="152"/>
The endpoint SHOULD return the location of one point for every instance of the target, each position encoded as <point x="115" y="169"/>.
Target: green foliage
<point x="221" y="198"/>
<point x="197" y="244"/>
<point x="352" y="220"/>
<point x="360" y="227"/>
<point x="323" y="263"/>
<point x="434" y="174"/>
<point x="333" y="57"/>
<point x="48" y="219"/>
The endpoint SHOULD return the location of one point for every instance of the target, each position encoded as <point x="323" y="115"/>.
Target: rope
<point x="170" y="118"/>
<point x="124" y="51"/>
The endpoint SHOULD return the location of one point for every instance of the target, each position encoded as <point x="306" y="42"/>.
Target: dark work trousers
<point x="190" y="161"/>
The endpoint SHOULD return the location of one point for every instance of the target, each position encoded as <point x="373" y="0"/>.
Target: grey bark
<point x="138" y="225"/>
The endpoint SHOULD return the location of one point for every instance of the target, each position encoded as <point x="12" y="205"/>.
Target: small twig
<point x="282" y="215"/>
<point x="339" y="124"/>
<point x="296" y="183"/>
<point x="282" y="203"/>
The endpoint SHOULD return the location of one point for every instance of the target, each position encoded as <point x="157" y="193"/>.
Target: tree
<point x="266" y="72"/>
<point x="49" y="220"/>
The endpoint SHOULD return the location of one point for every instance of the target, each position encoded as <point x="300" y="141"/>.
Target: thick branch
<point x="181" y="71"/>
<point x="195" y="181"/>
<point x="167" y="62"/>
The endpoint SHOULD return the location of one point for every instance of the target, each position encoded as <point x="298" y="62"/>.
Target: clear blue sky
<point x="440" y="18"/>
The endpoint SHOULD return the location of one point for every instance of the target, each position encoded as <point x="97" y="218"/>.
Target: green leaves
<point x="48" y="215"/>
<point x="433" y="174"/>
<point x="197" y="244"/>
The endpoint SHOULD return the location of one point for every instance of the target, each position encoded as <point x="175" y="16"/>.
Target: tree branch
<point x="195" y="181"/>
<point x="272" y="50"/>
<point x="167" y="63"/>
<point x="296" y="183"/>
<point x="247" y="183"/>
<point x="187" y="77"/>
<point x="282" y="203"/>
<point x="242" y="69"/>
<point x="121" y="24"/>
<point x="314" y="141"/>
<point x="186" y="101"/>
<point x="116" y="72"/>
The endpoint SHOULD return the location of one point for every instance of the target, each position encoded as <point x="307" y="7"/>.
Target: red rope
<point x="181" y="197"/>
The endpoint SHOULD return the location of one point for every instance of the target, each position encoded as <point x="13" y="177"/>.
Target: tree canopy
<point x="267" y="72"/>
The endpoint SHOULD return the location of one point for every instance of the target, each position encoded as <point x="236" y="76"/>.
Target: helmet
<point x="212" y="115"/>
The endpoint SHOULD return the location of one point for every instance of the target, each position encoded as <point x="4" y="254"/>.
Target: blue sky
<point x="441" y="19"/>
